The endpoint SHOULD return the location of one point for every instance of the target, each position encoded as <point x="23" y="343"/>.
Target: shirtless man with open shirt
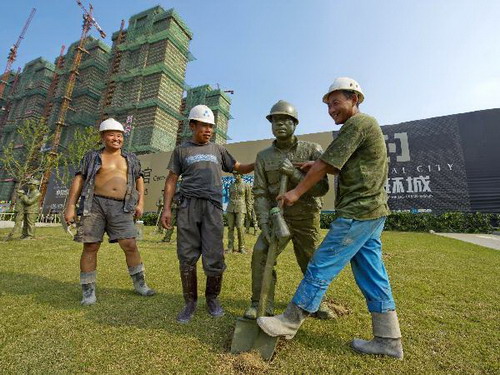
<point x="109" y="183"/>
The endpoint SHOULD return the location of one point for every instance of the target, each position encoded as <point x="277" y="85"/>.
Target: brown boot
<point x="190" y="293"/>
<point x="214" y="286"/>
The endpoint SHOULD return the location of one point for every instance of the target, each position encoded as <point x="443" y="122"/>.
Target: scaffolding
<point x="149" y="82"/>
<point x="218" y="101"/>
<point x="140" y="81"/>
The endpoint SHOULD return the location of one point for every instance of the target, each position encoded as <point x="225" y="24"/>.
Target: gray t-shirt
<point x="201" y="169"/>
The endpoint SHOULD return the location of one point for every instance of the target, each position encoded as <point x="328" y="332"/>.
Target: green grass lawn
<point x="447" y="294"/>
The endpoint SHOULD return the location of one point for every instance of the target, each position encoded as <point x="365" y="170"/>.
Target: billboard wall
<point x="448" y="163"/>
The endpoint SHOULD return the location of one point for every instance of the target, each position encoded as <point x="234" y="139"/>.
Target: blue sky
<point x="413" y="59"/>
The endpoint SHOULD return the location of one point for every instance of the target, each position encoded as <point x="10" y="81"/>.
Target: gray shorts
<point x="106" y="215"/>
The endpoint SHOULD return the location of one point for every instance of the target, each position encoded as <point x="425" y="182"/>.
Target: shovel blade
<point x="248" y="336"/>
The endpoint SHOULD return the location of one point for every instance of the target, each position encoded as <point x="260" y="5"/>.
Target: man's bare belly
<point x="111" y="179"/>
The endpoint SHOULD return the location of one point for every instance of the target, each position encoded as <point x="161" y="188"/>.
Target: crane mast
<point x="13" y="53"/>
<point x="88" y="22"/>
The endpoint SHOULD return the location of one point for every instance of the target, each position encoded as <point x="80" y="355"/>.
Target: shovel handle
<point x="271" y="259"/>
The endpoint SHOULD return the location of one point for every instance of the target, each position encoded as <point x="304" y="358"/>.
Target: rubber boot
<point x="387" y="336"/>
<point x="213" y="288"/>
<point x="140" y="286"/>
<point x="87" y="280"/>
<point x="190" y="293"/>
<point x="286" y="324"/>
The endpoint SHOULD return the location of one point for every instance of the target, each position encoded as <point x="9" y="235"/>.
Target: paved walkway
<point x="487" y="240"/>
<point x="10" y="224"/>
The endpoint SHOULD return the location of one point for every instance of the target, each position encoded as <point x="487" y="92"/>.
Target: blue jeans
<point x="355" y="241"/>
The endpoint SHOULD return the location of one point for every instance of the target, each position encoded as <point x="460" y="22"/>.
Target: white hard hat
<point x="111" y="124"/>
<point x="202" y="113"/>
<point x="345" y="83"/>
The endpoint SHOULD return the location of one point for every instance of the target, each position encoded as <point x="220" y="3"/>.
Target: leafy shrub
<point x="453" y="222"/>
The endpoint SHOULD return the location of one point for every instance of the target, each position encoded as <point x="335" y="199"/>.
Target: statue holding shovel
<point x="303" y="218"/>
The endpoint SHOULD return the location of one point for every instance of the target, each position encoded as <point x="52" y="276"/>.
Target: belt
<point x="105" y="197"/>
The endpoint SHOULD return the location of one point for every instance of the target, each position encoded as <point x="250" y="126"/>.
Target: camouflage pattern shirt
<point x="267" y="176"/>
<point x="238" y="198"/>
<point x="360" y="154"/>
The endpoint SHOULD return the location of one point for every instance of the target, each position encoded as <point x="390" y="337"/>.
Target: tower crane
<point x="8" y="105"/>
<point x="13" y="53"/>
<point x="88" y="22"/>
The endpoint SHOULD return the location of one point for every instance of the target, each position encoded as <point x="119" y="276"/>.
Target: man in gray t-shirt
<point x="201" y="167"/>
<point x="200" y="226"/>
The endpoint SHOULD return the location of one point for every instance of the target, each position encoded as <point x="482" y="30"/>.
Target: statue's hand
<point x="287" y="167"/>
<point x="266" y="232"/>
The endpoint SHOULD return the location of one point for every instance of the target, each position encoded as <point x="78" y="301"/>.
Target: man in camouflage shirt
<point x="358" y="155"/>
<point x="303" y="219"/>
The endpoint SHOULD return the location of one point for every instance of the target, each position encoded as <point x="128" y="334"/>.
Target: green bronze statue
<point x="250" y="217"/>
<point x="159" y="209"/>
<point x="236" y="212"/>
<point x="173" y="207"/>
<point x="285" y="156"/>
<point x="18" y="218"/>
<point x="170" y="231"/>
<point x="26" y="211"/>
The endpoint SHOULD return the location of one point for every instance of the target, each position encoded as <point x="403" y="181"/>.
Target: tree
<point x="83" y="140"/>
<point x="23" y="157"/>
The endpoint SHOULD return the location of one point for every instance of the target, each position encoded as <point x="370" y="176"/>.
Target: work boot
<point x="251" y="312"/>
<point x="286" y="324"/>
<point x="190" y="293"/>
<point x="324" y="312"/>
<point x="140" y="286"/>
<point x="87" y="280"/>
<point x="387" y="336"/>
<point x="213" y="288"/>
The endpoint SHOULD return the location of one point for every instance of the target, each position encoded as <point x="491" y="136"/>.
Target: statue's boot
<point x="324" y="312"/>
<point x="190" y="293"/>
<point x="387" y="337"/>
<point x="140" y="286"/>
<point x="212" y="291"/>
<point x="257" y="272"/>
<point x="241" y="241"/>
<point x="230" y="240"/>
<point x="251" y="311"/>
<point x="286" y="324"/>
<point x="88" y="281"/>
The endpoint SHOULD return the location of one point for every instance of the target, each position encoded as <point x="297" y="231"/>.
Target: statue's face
<point x="283" y="126"/>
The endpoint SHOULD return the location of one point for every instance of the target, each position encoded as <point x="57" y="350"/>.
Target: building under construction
<point x="140" y="81"/>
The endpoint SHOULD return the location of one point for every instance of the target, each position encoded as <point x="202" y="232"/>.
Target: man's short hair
<point x="348" y="94"/>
